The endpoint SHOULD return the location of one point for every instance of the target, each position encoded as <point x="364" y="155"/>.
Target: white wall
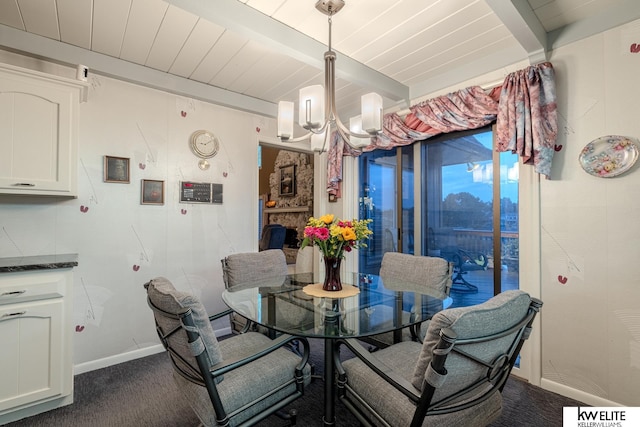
<point x="590" y="233"/>
<point x="116" y="233"/>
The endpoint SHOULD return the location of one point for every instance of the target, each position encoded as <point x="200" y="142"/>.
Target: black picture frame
<point x="116" y="169"/>
<point x="151" y="192"/>
<point x="287" y="181"/>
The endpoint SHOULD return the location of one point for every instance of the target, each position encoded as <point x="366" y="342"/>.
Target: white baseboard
<point x="81" y="368"/>
<point x="116" y="359"/>
<point x="578" y="395"/>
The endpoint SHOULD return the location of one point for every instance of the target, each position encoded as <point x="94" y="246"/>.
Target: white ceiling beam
<point x="123" y="70"/>
<point x="523" y="23"/>
<point x="619" y="13"/>
<point x="245" y="20"/>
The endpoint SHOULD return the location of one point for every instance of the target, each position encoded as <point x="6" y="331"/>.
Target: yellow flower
<point x="335" y="231"/>
<point x="327" y="219"/>
<point x="348" y="234"/>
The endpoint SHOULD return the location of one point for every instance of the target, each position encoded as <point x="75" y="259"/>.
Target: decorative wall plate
<point x="608" y="156"/>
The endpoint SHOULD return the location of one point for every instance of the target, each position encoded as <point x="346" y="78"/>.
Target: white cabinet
<point x="38" y="132"/>
<point x="36" y="363"/>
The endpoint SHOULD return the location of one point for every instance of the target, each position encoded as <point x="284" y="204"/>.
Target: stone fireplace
<point x="293" y="208"/>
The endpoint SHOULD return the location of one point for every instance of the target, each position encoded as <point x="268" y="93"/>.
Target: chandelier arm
<point x="344" y="135"/>
<point x="321" y="129"/>
<point x="324" y="143"/>
<point x="298" y="139"/>
<point x="348" y="131"/>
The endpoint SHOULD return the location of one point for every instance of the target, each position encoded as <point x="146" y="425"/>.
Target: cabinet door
<point x="37" y="137"/>
<point x="31" y="354"/>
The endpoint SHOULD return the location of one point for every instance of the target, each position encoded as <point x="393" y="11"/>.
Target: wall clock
<point x="205" y="145"/>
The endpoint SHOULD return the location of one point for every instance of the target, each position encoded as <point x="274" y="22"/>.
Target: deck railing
<point x="479" y="241"/>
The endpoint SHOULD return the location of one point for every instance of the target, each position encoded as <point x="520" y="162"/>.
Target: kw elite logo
<point x="600" y="417"/>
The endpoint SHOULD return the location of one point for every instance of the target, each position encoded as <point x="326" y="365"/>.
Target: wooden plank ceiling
<point x="249" y="54"/>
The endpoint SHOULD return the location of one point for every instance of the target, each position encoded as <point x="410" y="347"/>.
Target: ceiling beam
<point x="524" y="25"/>
<point x="244" y="20"/>
<point x="100" y="64"/>
<point x="619" y="13"/>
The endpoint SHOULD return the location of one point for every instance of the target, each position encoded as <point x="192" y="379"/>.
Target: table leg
<point x="397" y="321"/>
<point x="329" y="417"/>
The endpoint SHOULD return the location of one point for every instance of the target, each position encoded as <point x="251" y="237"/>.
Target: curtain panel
<point x="527" y="122"/>
<point x="523" y="107"/>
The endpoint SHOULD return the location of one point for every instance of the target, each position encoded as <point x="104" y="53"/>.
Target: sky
<point x="456" y="178"/>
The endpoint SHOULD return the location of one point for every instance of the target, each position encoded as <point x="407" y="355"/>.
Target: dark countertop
<point x="38" y="262"/>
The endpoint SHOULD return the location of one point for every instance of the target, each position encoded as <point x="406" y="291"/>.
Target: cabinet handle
<point x="24" y="184"/>
<point x="13" y="293"/>
<point x="17" y="313"/>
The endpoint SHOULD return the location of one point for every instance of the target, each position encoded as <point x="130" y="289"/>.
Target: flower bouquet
<point x="334" y="237"/>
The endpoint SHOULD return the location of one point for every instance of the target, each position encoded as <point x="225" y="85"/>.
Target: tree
<point x="464" y="210"/>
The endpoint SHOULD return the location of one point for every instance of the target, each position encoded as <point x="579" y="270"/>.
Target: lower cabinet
<point x="36" y="364"/>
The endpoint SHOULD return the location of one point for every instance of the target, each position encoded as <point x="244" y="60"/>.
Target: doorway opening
<point x="285" y="195"/>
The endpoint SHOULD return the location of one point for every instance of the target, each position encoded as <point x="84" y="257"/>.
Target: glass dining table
<point x="365" y="307"/>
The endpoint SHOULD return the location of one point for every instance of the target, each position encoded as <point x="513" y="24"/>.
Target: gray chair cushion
<point x="241" y="385"/>
<point x="412" y="273"/>
<point x="497" y="314"/>
<point x="254" y="268"/>
<point x="164" y="296"/>
<point x="394" y="406"/>
<point x="244" y="384"/>
<point x="410" y="360"/>
<point x="405" y="272"/>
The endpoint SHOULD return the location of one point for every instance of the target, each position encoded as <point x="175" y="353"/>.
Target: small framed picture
<point x="152" y="192"/>
<point x="116" y="169"/>
<point x="287" y="180"/>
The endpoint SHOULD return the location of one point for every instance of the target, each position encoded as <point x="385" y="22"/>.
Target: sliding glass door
<point x="467" y="213"/>
<point x="378" y="201"/>
<point x="470" y="213"/>
<point x="386" y="196"/>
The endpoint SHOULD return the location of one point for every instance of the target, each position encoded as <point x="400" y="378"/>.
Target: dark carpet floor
<point x="142" y="393"/>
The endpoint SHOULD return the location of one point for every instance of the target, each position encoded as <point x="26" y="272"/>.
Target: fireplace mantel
<point x="300" y="209"/>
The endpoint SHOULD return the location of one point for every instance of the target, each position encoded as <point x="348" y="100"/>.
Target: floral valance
<point x="523" y="107"/>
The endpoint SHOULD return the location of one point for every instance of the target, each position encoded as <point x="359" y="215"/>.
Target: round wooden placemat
<point x="315" y="290"/>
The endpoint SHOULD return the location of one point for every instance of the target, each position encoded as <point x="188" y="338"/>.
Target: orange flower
<point x="348" y="234"/>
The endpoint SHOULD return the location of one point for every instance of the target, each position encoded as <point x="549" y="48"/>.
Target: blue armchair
<point x="273" y="236"/>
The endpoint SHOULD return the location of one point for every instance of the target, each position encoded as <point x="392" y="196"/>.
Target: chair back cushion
<point x="253" y="268"/>
<point x="164" y="296"/>
<point x="491" y="317"/>
<point x="406" y="272"/>
<point x="304" y="260"/>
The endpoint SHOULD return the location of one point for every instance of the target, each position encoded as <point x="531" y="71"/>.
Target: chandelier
<point x="317" y="105"/>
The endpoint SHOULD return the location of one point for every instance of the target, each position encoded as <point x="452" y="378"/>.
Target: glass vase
<point x="332" y="274"/>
